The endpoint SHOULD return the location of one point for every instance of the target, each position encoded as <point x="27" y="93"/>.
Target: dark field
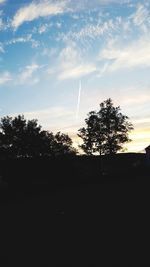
<point x="104" y="219"/>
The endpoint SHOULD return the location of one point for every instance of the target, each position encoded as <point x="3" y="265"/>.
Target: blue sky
<point x="48" y="48"/>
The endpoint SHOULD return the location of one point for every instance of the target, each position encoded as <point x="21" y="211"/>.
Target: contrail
<point x="78" y="103"/>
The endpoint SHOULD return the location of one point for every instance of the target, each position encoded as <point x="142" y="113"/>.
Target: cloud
<point x="141" y="121"/>
<point x="49" y="8"/>
<point x="2" y="1"/>
<point x="43" y="28"/>
<point x="1" y="48"/>
<point x="35" y="10"/>
<point x="27" y="74"/>
<point x="5" y="77"/>
<point x="128" y="47"/>
<point x="89" y="5"/>
<point x="58" y="25"/>
<point x="1" y="24"/>
<point x="49" y="52"/>
<point x="23" y="39"/>
<point x="71" y="65"/>
<point x="91" y="31"/>
<point x="52" y="118"/>
<point x="141" y="15"/>
<point x="77" y="71"/>
<point x="53" y="112"/>
<point x="137" y="146"/>
<point x="140" y="139"/>
<point x="135" y="54"/>
<point x="69" y="54"/>
<point x="142" y="98"/>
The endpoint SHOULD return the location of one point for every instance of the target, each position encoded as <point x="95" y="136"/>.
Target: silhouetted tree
<point x="106" y="130"/>
<point x="63" y="144"/>
<point x="21" y="138"/>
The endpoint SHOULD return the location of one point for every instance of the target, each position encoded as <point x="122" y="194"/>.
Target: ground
<point x="83" y="224"/>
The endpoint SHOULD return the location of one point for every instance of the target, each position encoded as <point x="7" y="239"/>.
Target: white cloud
<point x="71" y="65"/>
<point x="22" y="39"/>
<point x="89" y="5"/>
<point x="52" y="118"/>
<point x="140" y="137"/>
<point x="49" y="52"/>
<point x="43" y="28"/>
<point x="142" y="121"/>
<point x="58" y="25"/>
<point x="1" y="48"/>
<point x="136" y="54"/>
<point x="69" y="55"/>
<point x="51" y="71"/>
<point x="36" y="10"/>
<point x="140" y="99"/>
<point x="138" y="145"/>
<point x="2" y="1"/>
<point x="27" y="74"/>
<point x="141" y="15"/>
<point x="92" y="31"/>
<point x="1" y="24"/>
<point x="77" y="71"/>
<point x="5" y="77"/>
<point x="50" y="112"/>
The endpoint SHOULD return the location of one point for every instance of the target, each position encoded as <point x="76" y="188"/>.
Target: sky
<point x="59" y="59"/>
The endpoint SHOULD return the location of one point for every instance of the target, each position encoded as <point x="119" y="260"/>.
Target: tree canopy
<point x="22" y="138"/>
<point x="106" y="131"/>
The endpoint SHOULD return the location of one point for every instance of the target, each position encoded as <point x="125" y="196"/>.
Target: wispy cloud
<point x="23" y="39"/>
<point x="78" y="102"/>
<point x="77" y="72"/>
<point x="26" y="75"/>
<point x="1" y="24"/>
<point x="2" y="1"/>
<point x="71" y="64"/>
<point x="49" y="52"/>
<point x="89" y="5"/>
<point x="92" y="31"/>
<point x="5" y="77"/>
<point x="142" y="121"/>
<point x="52" y="118"/>
<point x="43" y="28"/>
<point x="140" y="140"/>
<point x="135" y="54"/>
<point x="1" y="48"/>
<point x="100" y="29"/>
<point x="141" y="15"/>
<point x="36" y="10"/>
<point x="130" y="100"/>
<point x="53" y="112"/>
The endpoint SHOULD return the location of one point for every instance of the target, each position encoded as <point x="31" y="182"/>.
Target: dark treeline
<point x="106" y="132"/>
<point x="20" y="138"/>
<point x="30" y="155"/>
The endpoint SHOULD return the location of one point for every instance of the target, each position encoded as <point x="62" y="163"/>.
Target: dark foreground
<point x="79" y="225"/>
